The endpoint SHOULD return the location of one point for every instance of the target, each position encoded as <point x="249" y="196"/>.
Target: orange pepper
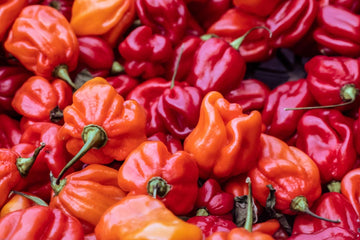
<point x="9" y="10"/>
<point x="109" y="18"/>
<point x="16" y="202"/>
<point x="141" y="217"/>
<point x="225" y="141"/>
<point x="240" y="233"/>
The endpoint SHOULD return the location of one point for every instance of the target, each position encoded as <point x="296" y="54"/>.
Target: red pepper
<point x="279" y="122"/>
<point x="172" y="143"/>
<point x="338" y="31"/>
<point x="350" y="188"/>
<point x="335" y="233"/>
<point x="122" y="83"/>
<point x="165" y="17"/>
<point x="251" y="94"/>
<point x="145" y="53"/>
<point x="258" y="7"/>
<point x="40" y="100"/>
<point x="328" y="206"/>
<point x="213" y="199"/>
<point x="10" y="132"/>
<point x="63" y="6"/>
<point x="11" y="79"/>
<point x="152" y="169"/>
<point x="352" y="5"/>
<point x="318" y="128"/>
<point x="9" y="10"/>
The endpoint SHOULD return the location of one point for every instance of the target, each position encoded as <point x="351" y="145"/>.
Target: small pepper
<point x="152" y="169"/>
<point x="137" y="217"/>
<point x="43" y="41"/>
<point x="10" y="132"/>
<point x="9" y="10"/>
<point x="350" y="189"/>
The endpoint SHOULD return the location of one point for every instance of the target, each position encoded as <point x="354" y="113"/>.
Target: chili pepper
<point x="109" y="19"/>
<point x="333" y="80"/>
<point x="10" y="132"/>
<point x="270" y="227"/>
<point x="235" y="23"/>
<point x="259" y="7"/>
<point x="145" y="53"/>
<point x="327" y="233"/>
<point x="40" y="222"/>
<point x="38" y="38"/>
<point x="352" y="5"/>
<point x="172" y="143"/>
<point x="284" y="167"/>
<point x="290" y="21"/>
<point x="171" y="178"/>
<point x="318" y="128"/>
<point x="15" y="202"/>
<point x="143" y="217"/>
<point x="11" y="79"/>
<point x="225" y="140"/>
<point x="9" y="10"/>
<point x="165" y="17"/>
<point x="40" y="100"/>
<point x="281" y="123"/>
<point x="338" y="31"/>
<point x="87" y="193"/>
<point x="211" y="224"/>
<point x="349" y="187"/>
<point x="213" y="200"/>
<point x="63" y="6"/>
<point x="250" y="94"/>
<point x="122" y="83"/>
<point x="328" y="206"/>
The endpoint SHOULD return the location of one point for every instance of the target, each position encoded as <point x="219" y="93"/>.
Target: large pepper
<point x="109" y="19"/>
<point x="9" y="10"/>
<point x="292" y="173"/>
<point x="327" y="137"/>
<point x="43" y="41"/>
<point x="145" y="53"/>
<point x="279" y="122"/>
<point x="328" y="206"/>
<point x="87" y="193"/>
<point x="40" y="222"/>
<point x="350" y="188"/>
<point x="11" y="79"/>
<point x="39" y="100"/>
<point x="338" y="31"/>
<point x="10" y="132"/>
<point x="225" y="142"/>
<point x="152" y="169"/>
<point x="138" y="217"/>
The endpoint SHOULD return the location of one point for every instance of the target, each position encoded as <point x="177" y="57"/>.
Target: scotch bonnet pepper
<point x="225" y="140"/>
<point x="9" y="10"/>
<point x="350" y="188"/>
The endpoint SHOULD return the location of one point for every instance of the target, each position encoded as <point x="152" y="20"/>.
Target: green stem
<point x="334" y="186"/>
<point x="24" y="164"/>
<point x="157" y="186"/>
<point x="202" y="212"/>
<point x="176" y="67"/>
<point x="249" y="215"/>
<point x="61" y="72"/>
<point x="35" y="199"/>
<point x="116" y="68"/>
<point x="237" y="42"/>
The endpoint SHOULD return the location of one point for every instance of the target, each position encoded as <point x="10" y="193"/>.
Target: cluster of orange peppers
<point x="137" y="119"/>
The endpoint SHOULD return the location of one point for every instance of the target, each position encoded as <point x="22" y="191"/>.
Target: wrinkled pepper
<point x="10" y="132"/>
<point x="138" y="217"/>
<point x="9" y="10"/>
<point x="261" y="8"/>
<point x="122" y="83"/>
<point x="171" y="178"/>
<point x="327" y="233"/>
<point x="172" y="143"/>
<point x="350" y="189"/>
<point x="44" y="42"/>
<point x="225" y="140"/>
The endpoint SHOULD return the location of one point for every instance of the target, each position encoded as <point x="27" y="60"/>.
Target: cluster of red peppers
<point x="135" y="119"/>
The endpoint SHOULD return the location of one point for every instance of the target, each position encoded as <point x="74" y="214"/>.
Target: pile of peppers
<point x="180" y="119"/>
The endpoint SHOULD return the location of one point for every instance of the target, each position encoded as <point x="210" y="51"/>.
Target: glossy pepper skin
<point x="43" y="41"/>
<point x="280" y="122"/>
<point x="40" y="222"/>
<point x="320" y="127"/>
<point x="327" y="233"/>
<point x="15" y="202"/>
<point x="282" y="166"/>
<point x="328" y="76"/>
<point x="109" y="19"/>
<point x="138" y="217"/>
<point x="261" y="8"/>
<point x="123" y="83"/>
<point x="10" y="132"/>
<point x="145" y="53"/>
<point x="63" y="6"/>
<point x="338" y="31"/>
<point x="9" y="10"/>
<point x="349" y="187"/>
<point x="11" y="79"/>
<point x="225" y="140"/>
<point x="240" y="233"/>
<point x="87" y="193"/>
<point x="172" y="143"/>
<point x="328" y="206"/>
<point x="98" y="103"/>
<point x="152" y="169"/>
<point x="40" y="100"/>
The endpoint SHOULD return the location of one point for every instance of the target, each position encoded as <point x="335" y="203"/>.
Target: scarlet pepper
<point x="225" y="140"/>
<point x="11" y="79"/>
<point x="109" y="19"/>
<point x="172" y="143"/>
<point x="261" y="8"/>
<point x="138" y="217"/>
<point x="9" y="10"/>
<point x="38" y="39"/>
<point x="145" y="53"/>
<point x="327" y="233"/>
<point x="63" y="6"/>
<point x="349" y="187"/>
<point x="10" y="132"/>
<point x="352" y="5"/>
<point x="40" y="100"/>
<point x="122" y="83"/>
<point x="171" y="178"/>
<point x="318" y="128"/>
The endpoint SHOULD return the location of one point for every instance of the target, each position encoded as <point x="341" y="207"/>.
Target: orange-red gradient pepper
<point x="350" y="188"/>
<point x="9" y="10"/>
<point x="225" y="141"/>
